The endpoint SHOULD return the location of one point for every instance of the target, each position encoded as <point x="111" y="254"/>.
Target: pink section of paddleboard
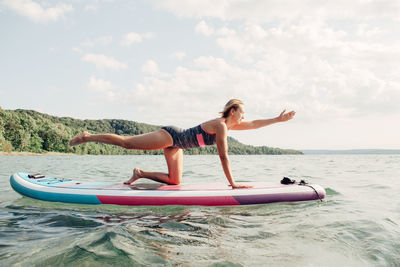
<point x="156" y="201"/>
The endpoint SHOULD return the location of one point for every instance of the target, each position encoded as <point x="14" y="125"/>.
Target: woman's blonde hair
<point x="232" y="104"/>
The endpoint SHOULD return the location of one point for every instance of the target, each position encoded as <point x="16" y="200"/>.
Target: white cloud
<point x="133" y="37"/>
<point x="364" y="30"/>
<point x="197" y="9"/>
<point x="102" y="40"/>
<point x="77" y="50"/>
<point x="210" y="83"/>
<point x="266" y="11"/>
<point x="104" y="62"/>
<point x="203" y="28"/>
<point x="318" y="69"/>
<point x="98" y="84"/>
<point x="36" y="11"/>
<point x="178" y="55"/>
<point x="91" y="8"/>
<point x="101" y="86"/>
<point x="325" y="71"/>
<point x="308" y="66"/>
<point x="150" y="67"/>
<point x="225" y="31"/>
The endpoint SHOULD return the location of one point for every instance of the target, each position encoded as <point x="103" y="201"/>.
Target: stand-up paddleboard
<point x="71" y="191"/>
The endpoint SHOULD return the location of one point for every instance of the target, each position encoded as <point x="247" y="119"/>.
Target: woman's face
<point x="238" y="114"/>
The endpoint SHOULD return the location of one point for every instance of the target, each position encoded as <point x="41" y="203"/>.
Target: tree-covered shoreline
<point x="32" y="131"/>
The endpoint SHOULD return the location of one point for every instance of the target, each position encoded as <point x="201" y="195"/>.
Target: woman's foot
<point x="79" y="139"/>
<point x="136" y="176"/>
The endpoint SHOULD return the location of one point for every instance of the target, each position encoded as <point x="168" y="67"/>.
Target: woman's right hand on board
<point x="234" y="186"/>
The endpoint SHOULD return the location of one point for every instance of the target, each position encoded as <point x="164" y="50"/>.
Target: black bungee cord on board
<point x="287" y="180"/>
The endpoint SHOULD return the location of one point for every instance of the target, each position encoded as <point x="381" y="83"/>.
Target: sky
<point x="177" y="62"/>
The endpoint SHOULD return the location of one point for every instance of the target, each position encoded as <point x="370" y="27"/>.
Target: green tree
<point x="4" y="144"/>
<point x="54" y="137"/>
<point x="35" y="143"/>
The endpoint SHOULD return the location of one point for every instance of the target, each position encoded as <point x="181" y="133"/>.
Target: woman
<point x="173" y="140"/>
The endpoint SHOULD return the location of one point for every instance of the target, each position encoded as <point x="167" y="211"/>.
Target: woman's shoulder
<point x="214" y="125"/>
<point x="217" y="121"/>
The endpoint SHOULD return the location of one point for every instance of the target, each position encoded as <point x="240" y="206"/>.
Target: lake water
<point x="356" y="225"/>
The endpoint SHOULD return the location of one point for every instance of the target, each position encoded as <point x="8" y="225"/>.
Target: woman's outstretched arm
<point x="249" y="125"/>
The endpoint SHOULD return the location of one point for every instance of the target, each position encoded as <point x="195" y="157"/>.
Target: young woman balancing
<point x="173" y="140"/>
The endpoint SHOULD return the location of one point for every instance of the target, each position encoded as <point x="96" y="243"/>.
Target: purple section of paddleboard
<point x="269" y="198"/>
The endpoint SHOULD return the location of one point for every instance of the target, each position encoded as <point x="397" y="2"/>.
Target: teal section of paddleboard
<point x="51" y="196"/>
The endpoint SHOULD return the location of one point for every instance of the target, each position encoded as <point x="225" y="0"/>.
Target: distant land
<point x="351" y="151"/>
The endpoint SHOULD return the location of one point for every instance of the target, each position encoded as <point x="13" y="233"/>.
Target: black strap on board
<point x="36" y="176"/>
<point x="287" y="180"/>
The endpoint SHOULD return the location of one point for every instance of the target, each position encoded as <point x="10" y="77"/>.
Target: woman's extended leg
<point x="174" y="157"/>
<point x="149" y="141"/>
